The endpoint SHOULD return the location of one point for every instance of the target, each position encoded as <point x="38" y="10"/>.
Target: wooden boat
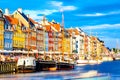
<point x="65" y="66"/>
<point x="95" y="61"/>
<point x="26" y="64"/>
<point x="44" y="65"/>
<point x="82" y="61"/>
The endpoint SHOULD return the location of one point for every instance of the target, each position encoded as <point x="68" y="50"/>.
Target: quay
<point x="8" y="67"/>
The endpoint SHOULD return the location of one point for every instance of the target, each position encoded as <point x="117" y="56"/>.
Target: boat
<point x="82" y="61"/>
<point x="65" y="66"/>
<point x="26" y="64"/>
<point x="45" y="65"/>
<point x="94" y="61"/>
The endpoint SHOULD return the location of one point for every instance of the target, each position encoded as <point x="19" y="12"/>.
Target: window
<point x="14" y="26"/>
<point x="10" y="45"/>
<point x="5" y="45"/>
<point x="9" y="27"/>
<point x="0" y="43"/>
<point x="10" y="36"/>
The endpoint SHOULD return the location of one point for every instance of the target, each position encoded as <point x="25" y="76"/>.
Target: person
<point x="2" y="58"/>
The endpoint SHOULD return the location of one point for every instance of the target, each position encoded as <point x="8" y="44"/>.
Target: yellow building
<point x="1" y="30"/>
<point x="19" y="15"/>
<point x="18" y="35"/>
<point x="18" y="38"/>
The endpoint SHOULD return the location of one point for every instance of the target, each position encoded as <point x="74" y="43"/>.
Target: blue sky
<point x="100" y="17"/>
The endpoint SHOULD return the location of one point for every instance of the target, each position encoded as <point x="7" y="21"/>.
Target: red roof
<point x="12" y="20"/>
<point x="57" y="27"/>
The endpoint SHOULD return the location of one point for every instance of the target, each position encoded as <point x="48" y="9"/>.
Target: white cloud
<point x="96" y="14"/>
<point x="100" y="14"/>
<point x="68" y="8"/>
<point x="102" y="26"/>
<point x="60" y="6"/>
<point x="56" y="3"/>
<point x="35" y="13"/>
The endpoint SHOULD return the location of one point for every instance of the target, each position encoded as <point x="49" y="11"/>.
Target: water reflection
<point x="104" y="71"/>
<point x="58" y="75"/>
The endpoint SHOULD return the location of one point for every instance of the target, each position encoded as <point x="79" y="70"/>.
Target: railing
<point x="7" y="67"/>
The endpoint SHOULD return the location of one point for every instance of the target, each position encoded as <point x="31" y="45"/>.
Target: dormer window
<point x="23" y="28"/>
<point x="14" y="26"/>
<point x="9" y="27"/>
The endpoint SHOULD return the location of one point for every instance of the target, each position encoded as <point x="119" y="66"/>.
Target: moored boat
<point x="95" y="61"/>
<point x="46" y="65"/>
<point x="82" y="61"/>
<point x="65" y="66"/>
<point x="26" y="64"/>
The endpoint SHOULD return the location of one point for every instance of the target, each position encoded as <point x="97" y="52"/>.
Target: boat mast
<point x="62" y="28"/>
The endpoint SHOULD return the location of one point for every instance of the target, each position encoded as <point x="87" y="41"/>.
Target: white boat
<point x="95" y="61"/>
<point x="81" y="62"/>
<point x="26" y="64"/>
<point x="84" y="62"/>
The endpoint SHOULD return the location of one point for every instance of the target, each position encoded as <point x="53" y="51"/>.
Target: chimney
<point x="6" y="11"/>
<point x="28" y="15"/>
<point x="20" y="10"/>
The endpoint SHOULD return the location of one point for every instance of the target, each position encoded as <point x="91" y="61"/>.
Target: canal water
<point x="104" y="71"/>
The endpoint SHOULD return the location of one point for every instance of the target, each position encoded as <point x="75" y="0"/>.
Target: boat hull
<point x="64" y="66"/>
<point x="46" y="66"/>
<point x="26" y="68"/>
<point x="27" y="64"/>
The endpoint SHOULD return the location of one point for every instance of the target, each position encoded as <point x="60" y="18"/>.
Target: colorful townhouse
<point x="1" y="30"/>
<point x="66" y="43"/>
<point x="40" y="39"/>
<point x="85" y="44"/>
<point x="81" y="37"/>
<point x="33" y="35"/>
<point x="46" y="36"/>
<point x="28" y="29"/>
<point x="71" y="32"/>
<point x="60" y="42"/>
<point x="98" y="48"/>
<point x="18" y="36"/>
<point x="56" y="30"/>
<point x="72" y="40"/>
<point x="77" y="35"/>
<point x="8" y="33"/>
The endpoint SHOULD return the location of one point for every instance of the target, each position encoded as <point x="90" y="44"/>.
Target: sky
<point x="100" y="18"/>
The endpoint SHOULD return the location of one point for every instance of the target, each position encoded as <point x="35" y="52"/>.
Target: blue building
<point x="8" y="34"/>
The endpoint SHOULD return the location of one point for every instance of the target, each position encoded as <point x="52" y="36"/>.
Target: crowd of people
<point x="8" y="57"/>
